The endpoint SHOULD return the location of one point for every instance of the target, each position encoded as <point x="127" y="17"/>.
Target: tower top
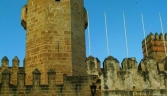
<point x="155" y="46"/>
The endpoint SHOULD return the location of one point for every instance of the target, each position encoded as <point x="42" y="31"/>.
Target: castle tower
<point x="55" y="38"/>
<point x="155" y="46"/>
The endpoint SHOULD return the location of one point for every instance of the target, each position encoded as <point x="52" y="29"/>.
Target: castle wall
<point x="55" y="58"/>
<point x="147" y="78"/>
<point x="72" y="85"/>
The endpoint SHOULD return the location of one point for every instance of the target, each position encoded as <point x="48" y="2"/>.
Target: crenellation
<point x="55" y="63"/>
<point x="161" y="37"/>
<point x="129" y="63"/>
<point x="110" y="64"/>
<point x="93" y="65"/>
<point x="151" y="37"/>
<point x="155" y="46"/>
<point x="4" y="63"/>
<point x="149" y="72"/>
<point x="15" y="62"/>
<point x="156" y="36"/>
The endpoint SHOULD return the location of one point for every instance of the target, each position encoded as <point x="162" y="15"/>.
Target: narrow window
<point x="57" y="0"/>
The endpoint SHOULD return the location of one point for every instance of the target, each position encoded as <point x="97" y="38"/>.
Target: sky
<point x="12" y="34"/>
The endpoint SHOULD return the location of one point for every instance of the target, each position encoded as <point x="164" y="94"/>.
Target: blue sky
<point x="12" y="35"/>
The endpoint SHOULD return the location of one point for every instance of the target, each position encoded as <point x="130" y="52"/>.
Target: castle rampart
<point x="72" y="85"/>
<point x="147" y="78"/>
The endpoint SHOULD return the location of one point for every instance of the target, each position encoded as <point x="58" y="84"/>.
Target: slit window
<point x="57" y="0"/>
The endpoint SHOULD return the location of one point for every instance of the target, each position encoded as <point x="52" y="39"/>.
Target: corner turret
<point x="155" y="46"/>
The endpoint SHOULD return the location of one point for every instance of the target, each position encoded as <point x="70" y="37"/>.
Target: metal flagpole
<point x="144" y="34"/>
<point x="106" y="33"/>
<point x="162" y="33"/>
<point x="89" y="35"/>
<point x="125" y="35"/>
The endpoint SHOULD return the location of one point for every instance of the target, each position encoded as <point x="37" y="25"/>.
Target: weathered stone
<point x="56" y="28"/>
<point x="93" y="65"/>
<point x="55" y="58"/>
<point x="155" y="47"/>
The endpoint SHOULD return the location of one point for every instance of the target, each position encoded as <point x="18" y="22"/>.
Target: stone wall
<point x="147" y="78"/>
<point x="13" y="82"/>
<point x="155" y="46"/>
<point x="55" y="58"/>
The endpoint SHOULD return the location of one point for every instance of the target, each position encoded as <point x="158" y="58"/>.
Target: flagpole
<point x="89" y="35"/>
<point x="162" y="33"/>
<point x="106" y="33"/>
<point x="125" y="35"/>
<point x="144" y="34"/>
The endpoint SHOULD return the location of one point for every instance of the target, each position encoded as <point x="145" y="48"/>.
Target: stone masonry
<point x="148" y="78"/>
<point x="56" y="65"/>
<point x="54" y="38"/>
<point x="155" y="46"/>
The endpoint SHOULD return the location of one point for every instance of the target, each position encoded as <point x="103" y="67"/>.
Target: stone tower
<point x="55" y="38"/>
<point x="155" y="46"/>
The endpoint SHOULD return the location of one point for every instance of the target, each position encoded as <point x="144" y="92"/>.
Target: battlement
<point x="130" y="76"/>
<point x="55" y="62"/>
<point x="155" y="46"/>
<point x="72" y="84"/>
